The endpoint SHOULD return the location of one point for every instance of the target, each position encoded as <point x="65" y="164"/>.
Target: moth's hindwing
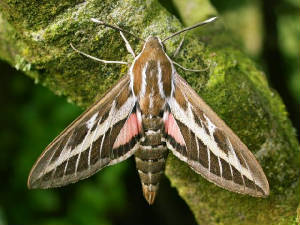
<point x="197" y="136"/>
<point x="103" y="135"/>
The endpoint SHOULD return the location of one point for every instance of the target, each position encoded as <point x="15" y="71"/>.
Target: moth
<point x="150" y="111"/>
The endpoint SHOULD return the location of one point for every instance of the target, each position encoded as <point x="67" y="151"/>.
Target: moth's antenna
<point x="116" y="28"/>
<point x="190" y="28"/>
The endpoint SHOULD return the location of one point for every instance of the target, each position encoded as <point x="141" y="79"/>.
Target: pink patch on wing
<point x="130" y="129"/>
<point x="172" y="129"/>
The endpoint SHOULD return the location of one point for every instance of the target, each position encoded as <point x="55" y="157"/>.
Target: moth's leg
<point x="116" y="28"/>
<point x="178" y="48"/>
<point x="191" y="70"/>
<point x="96" y="59"/>
<point x="128" y="47"/>
<point x="122" y="31"/>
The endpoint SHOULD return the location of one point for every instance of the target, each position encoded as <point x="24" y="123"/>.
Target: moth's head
<point x="153" y="43"/>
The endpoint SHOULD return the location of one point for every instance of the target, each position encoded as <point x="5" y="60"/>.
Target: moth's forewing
<point x="197" y="136"/>
<point x="99" y="137"/>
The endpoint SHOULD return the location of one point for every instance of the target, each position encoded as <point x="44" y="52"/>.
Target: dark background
<point x="31" y="116"/>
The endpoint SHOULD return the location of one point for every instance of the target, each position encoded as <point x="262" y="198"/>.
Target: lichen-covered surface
<point x="35" y="38"/>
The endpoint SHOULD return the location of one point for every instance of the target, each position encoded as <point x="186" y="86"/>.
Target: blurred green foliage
<point x="31" y="116"/>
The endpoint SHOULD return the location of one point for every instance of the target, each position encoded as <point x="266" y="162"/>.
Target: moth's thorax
<point x="151" y="77"/>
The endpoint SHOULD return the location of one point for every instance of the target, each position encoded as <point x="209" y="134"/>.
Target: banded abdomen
<point x="151" y="156"/>
<point x="151" y="81"/>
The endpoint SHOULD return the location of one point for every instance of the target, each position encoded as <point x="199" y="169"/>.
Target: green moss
<point x="36" y="39"/>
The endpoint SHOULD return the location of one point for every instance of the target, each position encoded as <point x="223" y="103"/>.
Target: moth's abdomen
<point x="151" y="156"/>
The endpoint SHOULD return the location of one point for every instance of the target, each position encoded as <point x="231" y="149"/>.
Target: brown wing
<point x="94" y="140"/>
<point x="196" y="135"/>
